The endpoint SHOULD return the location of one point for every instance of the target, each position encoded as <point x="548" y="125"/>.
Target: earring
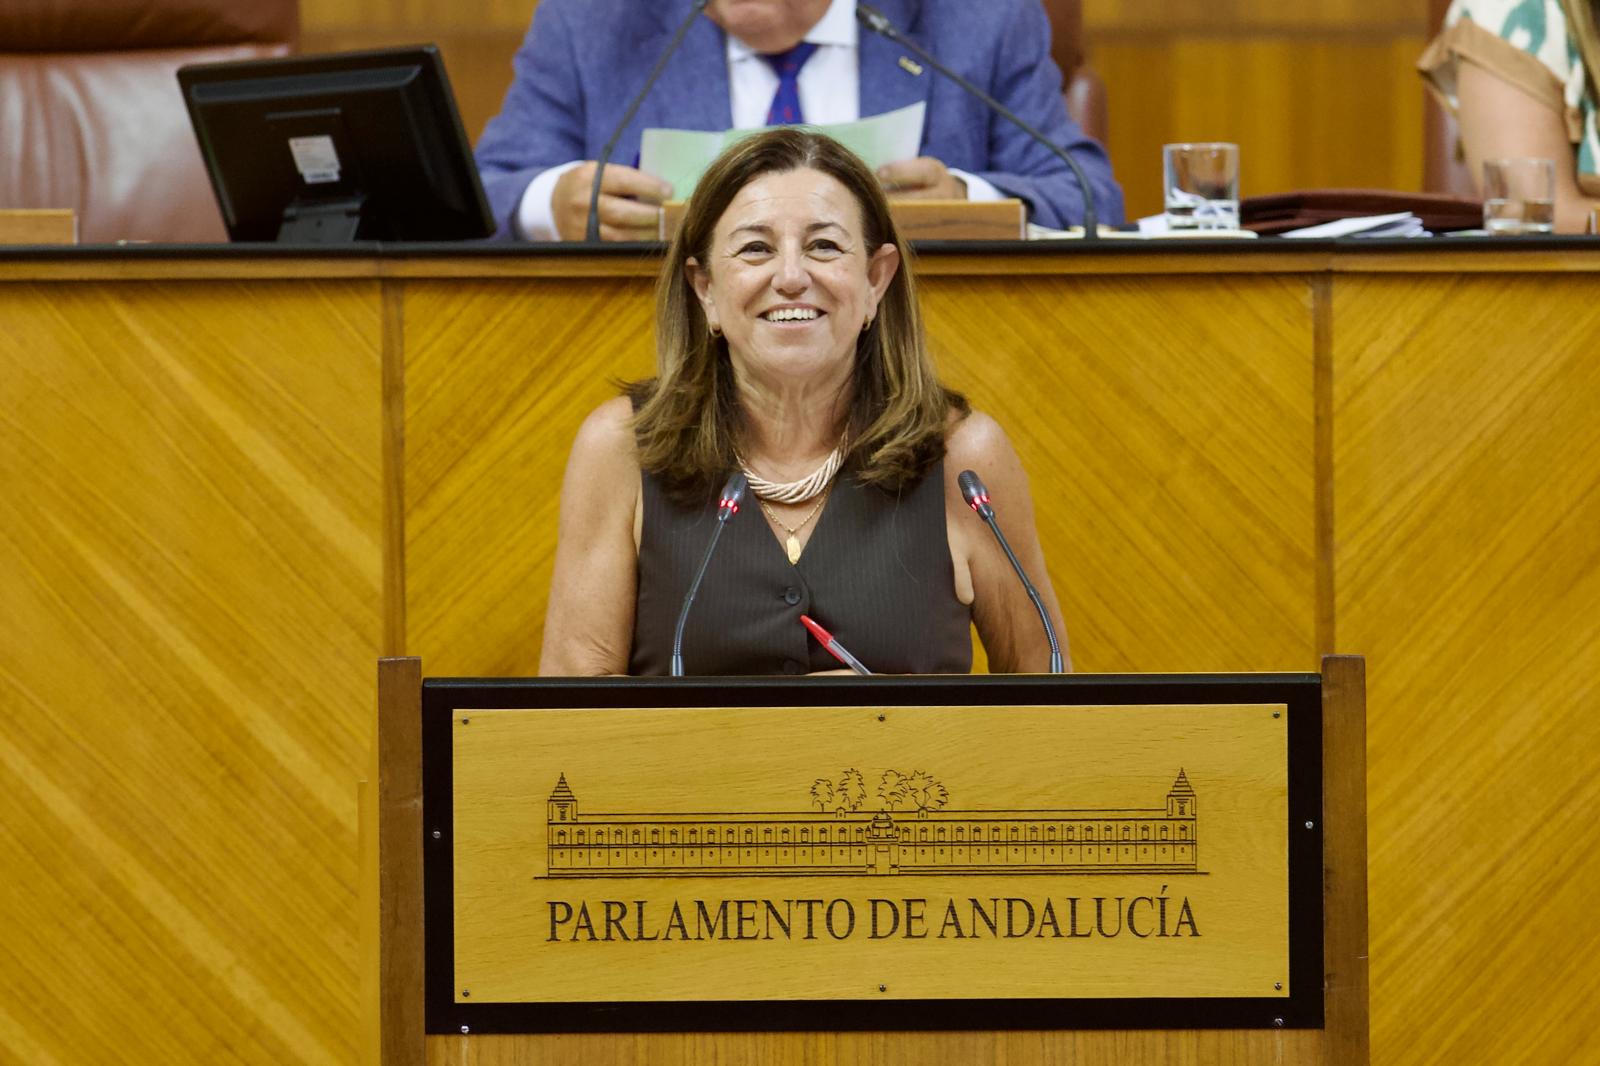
<point x="715" y="332"/>
<point x="868" y="324"/>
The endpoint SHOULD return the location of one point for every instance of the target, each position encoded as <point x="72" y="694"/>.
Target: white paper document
<point x="1399" y="224"/>
<point x="681" y="156"/>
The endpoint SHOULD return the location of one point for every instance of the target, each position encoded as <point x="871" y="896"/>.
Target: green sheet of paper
<point x="681" y="156"/>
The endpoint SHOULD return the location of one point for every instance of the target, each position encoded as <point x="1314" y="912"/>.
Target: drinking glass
<point x="1202" y="185"/>
<point x="1519" y="196"/>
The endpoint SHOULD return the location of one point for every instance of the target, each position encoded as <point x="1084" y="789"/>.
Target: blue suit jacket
<point x="584" y="60"/>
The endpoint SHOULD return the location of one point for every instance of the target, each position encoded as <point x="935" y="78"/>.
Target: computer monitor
<point x="334" y="148"/>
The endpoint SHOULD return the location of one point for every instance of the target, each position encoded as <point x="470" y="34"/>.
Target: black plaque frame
<point x="1301" y="1009"/>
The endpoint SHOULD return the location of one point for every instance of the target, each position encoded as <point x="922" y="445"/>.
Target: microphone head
<point x="974" y="492"/>
<point x="732" y="496"/>
<point x="874" y="20"/>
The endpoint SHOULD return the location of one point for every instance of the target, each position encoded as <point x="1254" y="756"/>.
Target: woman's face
<point x="789" y="280"/>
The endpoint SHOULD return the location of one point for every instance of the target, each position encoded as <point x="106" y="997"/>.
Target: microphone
<point x="977" y="497"/>
<point x="592" y="231"/>
<point x="878" y="23"/>
<point x="727" y="507"/>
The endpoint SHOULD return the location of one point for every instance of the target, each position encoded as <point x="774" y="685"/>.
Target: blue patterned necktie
<point x="785" y="109"/>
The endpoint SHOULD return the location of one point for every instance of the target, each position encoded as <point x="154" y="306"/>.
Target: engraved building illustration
<point x="1135" y="840"/>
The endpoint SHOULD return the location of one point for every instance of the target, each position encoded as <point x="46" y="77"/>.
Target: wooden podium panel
<point x="497" y="835"/>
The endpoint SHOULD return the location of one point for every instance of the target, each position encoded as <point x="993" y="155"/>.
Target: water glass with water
<point x="1519" y="196"/>
<point x="1201" y="182"/>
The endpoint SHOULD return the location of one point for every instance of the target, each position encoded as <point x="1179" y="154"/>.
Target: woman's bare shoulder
<point x="608" y="428"/>
<point x="976" y="441"/>
<point x="604" y="445"/>
<point x="603" y="454"/>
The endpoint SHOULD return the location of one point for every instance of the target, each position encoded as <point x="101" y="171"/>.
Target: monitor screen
<point x="333" y="148"/>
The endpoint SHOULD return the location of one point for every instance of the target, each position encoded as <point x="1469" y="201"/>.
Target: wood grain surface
<point x="1156" y="456"/>
<point x="497" y="381"/>
<point x="195" y="542"/>
<point x="192" y="589"/>
<point x="1467" y="500"/>
<point x="1346" y="984"/>
<point x="1025" y="1048"/>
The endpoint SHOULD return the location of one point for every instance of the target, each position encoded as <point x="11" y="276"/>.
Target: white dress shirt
<point x="830" y="92"/>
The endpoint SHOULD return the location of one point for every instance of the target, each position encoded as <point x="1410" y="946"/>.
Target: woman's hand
<point x="922" y="178"/>
<point x="629" y="208"/>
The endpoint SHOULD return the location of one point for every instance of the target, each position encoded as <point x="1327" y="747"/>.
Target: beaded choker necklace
<point x="795" y="491"/>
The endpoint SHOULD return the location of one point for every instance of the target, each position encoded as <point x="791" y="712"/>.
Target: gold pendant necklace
<point x="791" y="545"/>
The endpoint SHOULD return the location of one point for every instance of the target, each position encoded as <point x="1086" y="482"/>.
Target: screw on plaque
<point x="466" y="993"/>
<point x="1278" y="1023"/>
<point x="883" y="988"/>
<point x="437" y="834"/>
<point x="881" y="717"/>
<point x="1310" y="824"/>
<point x="1276" y="714"/>
<point x="465" y="1029"/>
<point x="466" y="721"/>
<point x="1278" y="985"/>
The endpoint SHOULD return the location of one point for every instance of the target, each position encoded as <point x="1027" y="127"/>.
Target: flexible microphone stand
<point x="592" y="231"/>
<point x="727" y="507"/>
<point x="878" y="23"/>
<point x="977" y="497"/>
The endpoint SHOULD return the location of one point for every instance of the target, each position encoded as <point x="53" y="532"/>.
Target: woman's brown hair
<point x="687" y="418"/>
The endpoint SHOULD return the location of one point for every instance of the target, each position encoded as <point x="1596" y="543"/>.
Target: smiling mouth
<point x="792" y="314"/>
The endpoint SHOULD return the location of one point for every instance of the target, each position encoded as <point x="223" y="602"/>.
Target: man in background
<point x="768" y="62"/>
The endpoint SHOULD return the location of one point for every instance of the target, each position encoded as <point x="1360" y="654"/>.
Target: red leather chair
<point x="1084" y="91"/>
<point x="90" y="113"/>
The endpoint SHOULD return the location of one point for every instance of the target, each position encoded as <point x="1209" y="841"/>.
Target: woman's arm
<point x="1500" y="121"/>
<point x="1008" y="625"/>
<point x="588" y="626"/>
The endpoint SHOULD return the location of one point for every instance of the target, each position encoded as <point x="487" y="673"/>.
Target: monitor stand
<point x="321" y="221"/>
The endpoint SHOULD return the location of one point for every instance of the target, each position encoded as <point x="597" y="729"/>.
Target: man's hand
<point x="629" y="203"/>
<point x="923" y="178"/>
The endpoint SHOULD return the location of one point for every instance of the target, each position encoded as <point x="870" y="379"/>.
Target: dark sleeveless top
<point x="876" y="573"/>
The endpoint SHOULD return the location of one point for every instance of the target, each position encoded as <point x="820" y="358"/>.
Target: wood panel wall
<point x="1317" y="95"/>
<point x="191" y="530"/>
<point x="1468" y="562"/>
<point x="1240" y="462"/>
<point x="1081" y="407"/>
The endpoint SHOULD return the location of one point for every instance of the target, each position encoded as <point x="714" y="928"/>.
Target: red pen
<point x="835" y="649"/>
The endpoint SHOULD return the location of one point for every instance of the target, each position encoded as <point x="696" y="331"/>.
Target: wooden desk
<point x="217" y="465"/>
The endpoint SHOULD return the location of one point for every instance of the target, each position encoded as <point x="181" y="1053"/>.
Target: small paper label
<point x="315" y="158"/>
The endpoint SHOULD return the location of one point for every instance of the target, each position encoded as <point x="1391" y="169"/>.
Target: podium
<point x="1086" y="869"/>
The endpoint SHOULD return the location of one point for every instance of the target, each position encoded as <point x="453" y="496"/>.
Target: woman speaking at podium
<point x="790" y="347"/>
